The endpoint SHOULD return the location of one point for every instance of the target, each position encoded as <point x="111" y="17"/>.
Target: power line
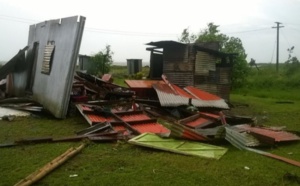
<point x="285" y="38"/>
<point x="17" y="19"/>
<point x="248" y="31"/>
<point x="130" y="33"/>
<point x="273" y="51"/>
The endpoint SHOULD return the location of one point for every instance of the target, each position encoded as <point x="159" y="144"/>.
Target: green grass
<point x="119" y="163"/>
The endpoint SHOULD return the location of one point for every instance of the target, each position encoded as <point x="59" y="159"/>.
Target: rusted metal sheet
<point x="173" y="96"/>
<point x="267" y="135"/>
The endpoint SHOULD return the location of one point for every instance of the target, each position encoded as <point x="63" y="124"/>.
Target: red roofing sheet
<point x="142" y="83"/>
<point x="172" y="96"/>
<point x="145" y="127"/>
<point x="278" y="136"/>
<point x="98" y="118"/>
<point x="198" y="122"/>
<point x="210" y="115"/>
<point x="84" y="107"/>
<point x="107" y="78"/>
<point x="197" y="93"/>
<point x="182" y="92"/>
<point x="134" y="117"/>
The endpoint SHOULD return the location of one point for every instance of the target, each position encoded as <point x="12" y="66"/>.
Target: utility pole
<point x="277" y="51"/>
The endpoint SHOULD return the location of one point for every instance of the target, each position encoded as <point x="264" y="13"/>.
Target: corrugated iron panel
<point x="181" y="79"/>
<point x="84" y="107"/>
<point x="134" y="117"/>
<point x="171" y="100"/>
<point x="181" y="131"/>
<point x="211" y="88"/>
<point x="98" y="118"/>
<point x="199" y="122"/>
<point x="179" y="146"/>
<point x="197" y="93"/>
<point x="240" y="139"/>
<point x="267" y="135"/>
<point x="142" y="83"/>
<point x="210" y="115"/>
<point x="143" y="127"/>
<point x="168" y="97"/>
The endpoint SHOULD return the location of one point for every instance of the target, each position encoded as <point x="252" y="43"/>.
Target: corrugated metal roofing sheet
<point x="173" y="96"/>
<point x="198" y="122"/>
<point x="267" y="135"/>
<point x="142" y="83"/>
<point x="134" y="117"/>
<point x="240" y="139"/>
<point x="145" y="127"/>
<point x="139" y="121"/>
<point x="180" y="131"/>
<point x="200" y="94"/>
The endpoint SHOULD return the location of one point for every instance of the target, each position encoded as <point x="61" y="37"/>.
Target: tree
<point x="292" y="63"/>
<point x="101" y="62"/>
<point x="253" y="63"/>
<point x="186" y="37"/>
<point x="227" y="44"/>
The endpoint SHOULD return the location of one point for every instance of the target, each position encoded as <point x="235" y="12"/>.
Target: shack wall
<point x="210" y="78"/>
<point x="178" y="66"/>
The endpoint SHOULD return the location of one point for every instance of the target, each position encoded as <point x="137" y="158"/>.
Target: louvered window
<point x="48" y="57"/>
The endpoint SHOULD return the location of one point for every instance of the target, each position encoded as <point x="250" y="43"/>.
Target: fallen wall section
<point x="57" y="45"/>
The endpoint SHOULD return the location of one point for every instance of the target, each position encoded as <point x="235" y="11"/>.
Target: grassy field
<point x="120" y="163"/>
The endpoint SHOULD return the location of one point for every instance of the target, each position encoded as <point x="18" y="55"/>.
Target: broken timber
<point x="40" y="173"/>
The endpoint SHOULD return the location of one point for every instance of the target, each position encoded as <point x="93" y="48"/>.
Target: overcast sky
<point x="127" y="25"/>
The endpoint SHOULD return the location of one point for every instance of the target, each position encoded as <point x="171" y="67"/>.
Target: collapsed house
<point x="201" y="65"/>
<point x="190" y="93"/>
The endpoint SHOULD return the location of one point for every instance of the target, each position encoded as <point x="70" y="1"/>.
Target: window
<point x="48" y="57"/>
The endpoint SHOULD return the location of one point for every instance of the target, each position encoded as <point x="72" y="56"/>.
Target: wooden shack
<point x="201" y="65"/>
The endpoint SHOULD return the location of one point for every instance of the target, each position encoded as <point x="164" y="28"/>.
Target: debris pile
<point x="152" y="113"/>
